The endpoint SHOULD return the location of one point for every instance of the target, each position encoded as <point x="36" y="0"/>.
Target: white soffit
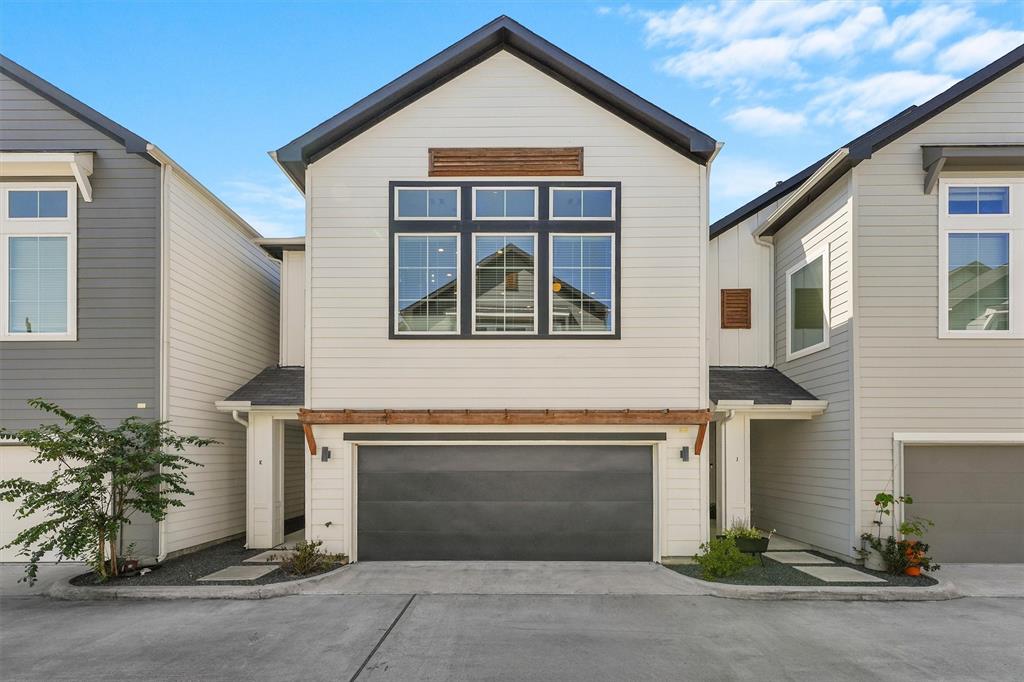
<point x="49" y="165"/>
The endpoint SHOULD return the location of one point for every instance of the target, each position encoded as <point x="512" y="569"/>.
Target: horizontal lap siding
<point x="222" y="322"/>
<point x="800" y="470"/>
<point x="505" y="102"/>
<point x="909" y="379"/>
<point x="113" y="365"/>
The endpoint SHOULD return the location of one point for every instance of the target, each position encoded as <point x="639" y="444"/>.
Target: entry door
<point x="505" y="502"/>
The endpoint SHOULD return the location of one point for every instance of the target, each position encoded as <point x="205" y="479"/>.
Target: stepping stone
<point x="839" y="574"/>
<point x="238" y="573"/>
<point x="796" y="558"/>
<point x="271" y="556"/>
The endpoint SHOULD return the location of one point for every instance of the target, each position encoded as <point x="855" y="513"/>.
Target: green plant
<point x="917" y="527"/>
<point x="308" y="558"/>
<point x="101" y="477"/>
<point x="741" y="529"/>
<point x="884" y="505"/>
<point x="720" y="558"/>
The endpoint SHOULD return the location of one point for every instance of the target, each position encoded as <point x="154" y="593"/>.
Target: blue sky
<point x="217" y="84"/>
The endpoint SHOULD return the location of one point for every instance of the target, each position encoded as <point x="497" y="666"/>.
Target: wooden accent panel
<point x="735" y="308"/>
<point x="509" y="417"/>
<point x="504" y="161"/>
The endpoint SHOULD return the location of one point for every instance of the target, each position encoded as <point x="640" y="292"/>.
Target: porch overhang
<point x="938" y="158"/>
<point x="470" y="417"/>
<point x="795" y="409"/>
<point x="77" y="165"/>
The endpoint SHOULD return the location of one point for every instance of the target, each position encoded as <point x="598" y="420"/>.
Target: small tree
<point x="101" y="478"/>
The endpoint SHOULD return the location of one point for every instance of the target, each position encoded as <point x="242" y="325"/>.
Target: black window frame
<point x="543" y="227"/>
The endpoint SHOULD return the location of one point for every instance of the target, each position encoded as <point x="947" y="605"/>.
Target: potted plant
<point x="748" y="539"/>
<point x="872" y="549"/>
<point x="914" y="550"/>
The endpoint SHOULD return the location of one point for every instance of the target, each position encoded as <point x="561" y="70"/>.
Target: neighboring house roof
<point x="862" y="147"/>
<point x="279" y="386"/>
<point x="501" y="34"/>
<point x="763" y="385"/>
<point x="132" y="142"/>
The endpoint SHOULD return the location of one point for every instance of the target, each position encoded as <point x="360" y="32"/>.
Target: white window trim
<point x="551" y="278"/>
<point x="551" y="203"/>
<point x="39" y="227"/>
<point x="980" y="220"/>
<point x="536" y="204"/>
<point x="536" y="285"/>
<point x="458" y="279"/>
<point x="826" y="298"/>
<point x="458" y="203"/>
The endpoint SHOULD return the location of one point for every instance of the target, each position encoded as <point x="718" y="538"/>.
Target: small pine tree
<point x="101" y="478"/>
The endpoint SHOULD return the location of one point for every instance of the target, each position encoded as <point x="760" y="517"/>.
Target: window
<point x="981" y="247"/>
<point x="427" y="284"/>
<point x="582" y="279"/>
<point x="421" y="203"/>
<point x="38" y="247"/>
<point x="504" y="283"/>
<point x="505" y="203"/>
<point x="807" y="307"/>
<point x="582" y="203"/>
<point x="735" y="308"/>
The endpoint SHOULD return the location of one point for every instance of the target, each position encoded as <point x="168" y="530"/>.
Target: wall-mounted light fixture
<point x="325" y="453"/>
<point x="684" y="453"/>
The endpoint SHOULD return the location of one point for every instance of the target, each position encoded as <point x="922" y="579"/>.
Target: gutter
<point x="803" y="190"/>
<point x="291" y="178"/>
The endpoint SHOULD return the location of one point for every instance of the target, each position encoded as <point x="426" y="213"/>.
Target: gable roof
<point x="501" y="34"/>
<point x="861" y="148"/>
<point x="133" y="143"/>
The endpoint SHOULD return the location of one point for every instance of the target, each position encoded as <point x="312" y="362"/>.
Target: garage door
<point x="975" y="496"/>
<point x="505" y="502"/>
<point x="16" y="462"/>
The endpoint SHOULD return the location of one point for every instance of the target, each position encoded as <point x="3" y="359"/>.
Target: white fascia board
<point x="796" y="409"/>
<point x="284" y="170"/>
<point x="232" y="405"/>
<point x="801" y="191"/>
<point x="939" y="438"/>
<point x="50" y="164"/>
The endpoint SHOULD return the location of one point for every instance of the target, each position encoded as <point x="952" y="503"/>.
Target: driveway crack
<point x="383" y="637"/>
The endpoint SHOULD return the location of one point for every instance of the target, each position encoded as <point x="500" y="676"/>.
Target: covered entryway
<point x="975" y="496"/>
<point x="505" y="502"/>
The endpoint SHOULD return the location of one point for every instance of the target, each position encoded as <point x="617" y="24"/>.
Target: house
<point x="127" y="289"/>
<point x="493" y="335"/>
<point x="881" y="280"/>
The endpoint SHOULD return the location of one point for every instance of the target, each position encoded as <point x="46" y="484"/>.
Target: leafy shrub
<point x="720" y="558"/>
<point x="308" y="559"/>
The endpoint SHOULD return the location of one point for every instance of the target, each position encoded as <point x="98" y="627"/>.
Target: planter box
<point x="750" y="545"/>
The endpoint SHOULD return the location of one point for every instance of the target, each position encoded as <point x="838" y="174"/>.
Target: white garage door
<point x="975" y="496"/>
<point x="15" y="462"/>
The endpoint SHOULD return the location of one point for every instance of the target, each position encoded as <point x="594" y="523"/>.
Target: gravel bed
<point x="185" y="570"/>
<point x="775" y="573"/>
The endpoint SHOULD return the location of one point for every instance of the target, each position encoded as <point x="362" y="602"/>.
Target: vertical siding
<point x="293" y="308"/>
<point x="294" y="471"/>
<point x="911" y="380"/>
<point x="800" y="470"/>
<point x="221" y="330"/>
<point x="505" y="102"/>
<point x="113" y="365"/>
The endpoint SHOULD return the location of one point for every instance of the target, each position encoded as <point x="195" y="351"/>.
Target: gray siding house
<point x="127" y="289"/>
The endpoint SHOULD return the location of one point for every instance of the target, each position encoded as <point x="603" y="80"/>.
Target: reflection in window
<point x="979" y="200"/>
<point x="427" y="203"/>
<point x="428" y="283"/>
<point x="582" y="290"/>
<point x="807" y="317"/>
<point x="978" y="281"/>
<point x="37" y="204"/>
<point x="505" y="280"/>
<point x="38" y="285"/>
<point x="505" y="203"/>
<point x="581" y="203"/>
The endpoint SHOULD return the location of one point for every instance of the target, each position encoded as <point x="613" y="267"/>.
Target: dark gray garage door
<point x="492" y="502"/>
<point x="975" y="496"/>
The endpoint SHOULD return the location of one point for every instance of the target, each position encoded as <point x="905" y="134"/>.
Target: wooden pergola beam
<point x="505" y="417"/>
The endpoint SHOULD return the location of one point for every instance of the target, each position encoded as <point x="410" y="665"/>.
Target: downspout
<point x="234" y="415"/>
<point x="770" y="308"/>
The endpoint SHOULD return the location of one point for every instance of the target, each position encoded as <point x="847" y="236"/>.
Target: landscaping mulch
<point x="775" y="573"/>
<point x="187" y="569"/>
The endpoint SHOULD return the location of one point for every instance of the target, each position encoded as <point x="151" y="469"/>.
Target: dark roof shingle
<point x="274" y="386"/>
<point x="763" y="385"/>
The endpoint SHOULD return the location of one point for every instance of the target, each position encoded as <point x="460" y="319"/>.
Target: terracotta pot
<point x="912" y="570"/>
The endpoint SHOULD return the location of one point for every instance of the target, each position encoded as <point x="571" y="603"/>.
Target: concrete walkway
<point x="985" y="580"/>
<point x="506" y="577"/>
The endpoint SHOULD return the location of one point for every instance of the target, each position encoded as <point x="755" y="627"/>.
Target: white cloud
<point x="914" y="36"/>
<point x="857" y="104"/>
<point x="765" y="121"/>
<point x="976" y="51"/>
<point x="742" y="61"/>
<point x="274" y="207"/>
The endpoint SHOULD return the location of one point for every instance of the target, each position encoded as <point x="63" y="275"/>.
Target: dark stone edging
<point x="65" y="590"/>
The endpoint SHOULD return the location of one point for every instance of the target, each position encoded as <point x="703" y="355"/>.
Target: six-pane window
<point x="582" y="203"/>
<point x="582" y="284"/>
<point x="433" y="203"/>
<point x="427" y="294"/>
<point x="978" y="281"/>
<point x="979" y="200"/>
<point x="496" y="203"/>
<point x="504" y="298"/>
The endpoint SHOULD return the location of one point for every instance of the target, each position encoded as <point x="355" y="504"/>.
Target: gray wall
<point x="114" y="363"/>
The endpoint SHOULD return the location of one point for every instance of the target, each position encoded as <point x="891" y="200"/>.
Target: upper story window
<point x="38" y="248"/>
<point x="505" y="203"/>
<point x="528" y="274"/>
<point x="807" y="306"/>
<point x="582" y="203"/>
<point x="981" y="251"/>
<point x="421" y="203"/>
